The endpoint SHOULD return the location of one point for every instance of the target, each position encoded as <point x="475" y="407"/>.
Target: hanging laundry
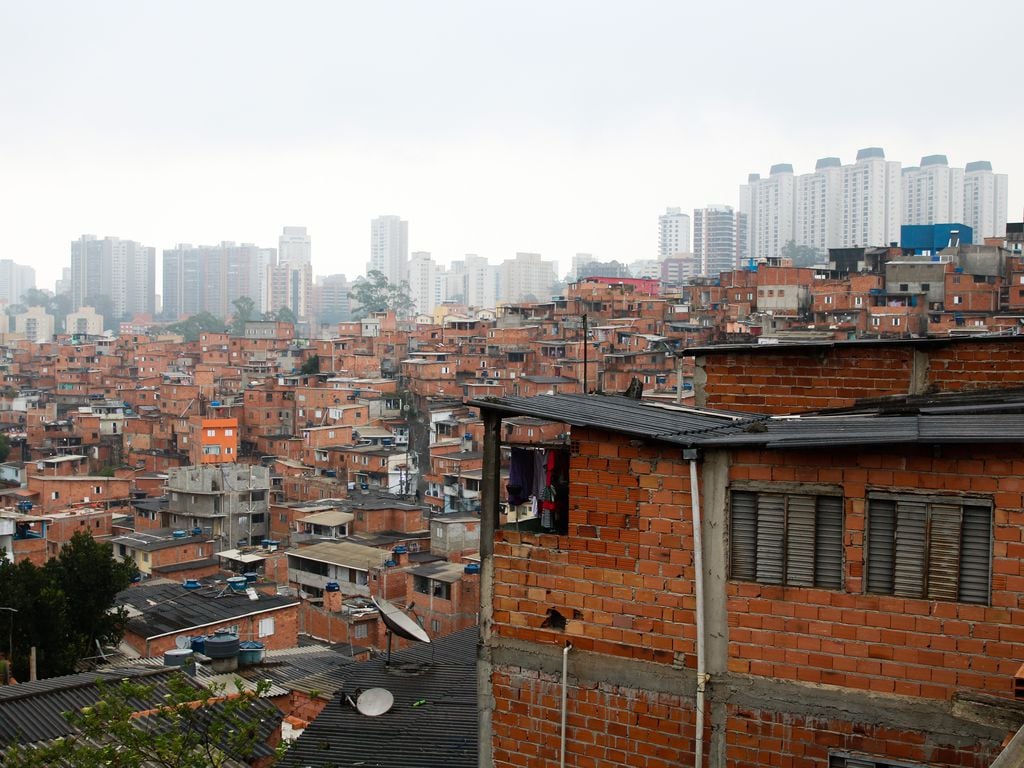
<point x="520" y="476"/>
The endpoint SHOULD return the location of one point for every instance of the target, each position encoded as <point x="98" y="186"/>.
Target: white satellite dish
<point x="182" y="642"/>
<point x="375" y="701"/>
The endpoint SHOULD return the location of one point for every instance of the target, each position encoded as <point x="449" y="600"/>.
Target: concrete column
<point x="490" y="489"/>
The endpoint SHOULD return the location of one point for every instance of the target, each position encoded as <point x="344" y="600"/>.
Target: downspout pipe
<point x="692" y="456"/>
<point x="565" y="691"/>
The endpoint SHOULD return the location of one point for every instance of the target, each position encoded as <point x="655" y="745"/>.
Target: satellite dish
<point x="375" y="701"/>
<point x="399" y="623"/>
<point x="183" y="642"/>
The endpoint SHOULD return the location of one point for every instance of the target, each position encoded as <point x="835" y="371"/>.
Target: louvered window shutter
<point x="975" y="555"/>
<point x="771" y="529"/>
<point x="944" y="552"/>
<point x="911" y="534"/>
<point x="743" y="536"/>
<point x="881" y="545"/>
<point x="800" y="541"/>
<point x="828" y="543"/>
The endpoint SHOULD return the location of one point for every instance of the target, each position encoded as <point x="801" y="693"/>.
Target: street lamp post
<point x="10" y="641"/>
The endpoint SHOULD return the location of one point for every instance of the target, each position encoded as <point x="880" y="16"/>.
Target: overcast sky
<point x="554" y="127"/>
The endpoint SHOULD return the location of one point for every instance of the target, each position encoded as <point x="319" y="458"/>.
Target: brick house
<point x="161" y="613"/>
<point x="860" y="587"/>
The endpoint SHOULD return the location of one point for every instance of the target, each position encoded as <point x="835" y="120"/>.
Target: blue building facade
<point x="928" y="239"/>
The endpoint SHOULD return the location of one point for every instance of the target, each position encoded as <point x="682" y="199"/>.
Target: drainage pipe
<point x="565" y="691"/>
<point x="698" y="588"/>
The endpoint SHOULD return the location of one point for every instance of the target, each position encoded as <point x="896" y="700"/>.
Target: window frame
<point x="818" y="531"/>
<point x="882" y="578"/>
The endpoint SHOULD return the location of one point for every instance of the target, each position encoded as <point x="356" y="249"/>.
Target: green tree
<point x="5" y="447"/>
<point x="192" y="327"/>
<point x="245" y="311"/>
<point x="189" y="727"/>
<point x="285" y="315"/>
<point x="64" y="607"/>
<point x="311" y="365"/>
<point x="375" y="293"/>
<point x="801" y="255"/>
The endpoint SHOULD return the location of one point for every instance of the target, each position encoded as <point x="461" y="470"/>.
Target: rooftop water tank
<point x="472" y="568"/>
<point x="197" y="531"/>
<point x="222" y="648"/>
<point x="251" y="576"/>
<point x="191" y="584"/>
<point x="180" y="657"/>
<point x="332" y="586"/>
<point x="250" y="653"/>
<point x="238" y="583"/>
<point x="180" y="534"/>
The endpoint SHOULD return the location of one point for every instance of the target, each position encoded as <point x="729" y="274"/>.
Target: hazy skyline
<point x="490" y="127"/>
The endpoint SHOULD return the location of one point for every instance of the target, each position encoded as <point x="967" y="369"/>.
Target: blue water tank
<point x="191" y="584"/>
<point x="197" y="531"/>
<point x="180" y="534"/>
<point x="199" y="644"/>
<point x="472" y="568"/>
<point x="332" y="586"/>
<point x="251" y="576"/>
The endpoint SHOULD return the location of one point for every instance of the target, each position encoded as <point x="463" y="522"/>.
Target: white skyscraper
<point x="985" y="203"/>
<point x="673" y="233"/>
<point x="819" y="206"/>
<point x="294" y="246"/>
<point x="872" y="213"/>
<point x="933" y="193"/>
<point x="389" y="247"/>
<point x="772" y="212"/>
<point x="426" y="282"/>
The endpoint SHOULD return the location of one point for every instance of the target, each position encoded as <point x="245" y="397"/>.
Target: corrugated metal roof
<point x="433" y="723"/>
<point x="934" y="424"/>
<point x="33" y="712"/>
<point x="164" y="609"/>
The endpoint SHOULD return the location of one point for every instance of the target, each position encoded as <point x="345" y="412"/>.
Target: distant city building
<point x="679" y="269"/>
<point x="426" y="282"/>
<point x="294" y="246"/>
<point x="932" y="192"/>
<point x="578" y="261"/>
<point x="209" y="278"/>
<point x="84" y="322"/>
<point x="473" y="281"/>
<point x="15" y="279"/>
<point x="645" y="268"/>
<point x="818" y="203"/>
<point x="331" y="303"/>
<point x="771" y="211"/>
<point x="719" y="239"/>
<point x="124" y="271"/>
<point x="864" y="203"/>
<point x="673" y="233"/>
<point x="35" y="325"/>
<point x="389" y="247"/>
<point x="985" y="196"/>
<point x="527" y="277"/>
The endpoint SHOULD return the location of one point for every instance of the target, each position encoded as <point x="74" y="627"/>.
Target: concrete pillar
<point x="490" y="488"/>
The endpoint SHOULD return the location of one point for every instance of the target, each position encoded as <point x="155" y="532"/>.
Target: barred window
<point x="787" y="538"/>
<point x="930" y="548"/>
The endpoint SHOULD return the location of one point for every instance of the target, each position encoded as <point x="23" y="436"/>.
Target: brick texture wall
<point x="790" y="379"/>
<point x="882" y="643"/>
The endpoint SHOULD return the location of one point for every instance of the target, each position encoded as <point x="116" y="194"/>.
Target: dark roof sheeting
<point x="433" y="723"/>
<point x="877" y="425"/>
<point x="169" y="608"/>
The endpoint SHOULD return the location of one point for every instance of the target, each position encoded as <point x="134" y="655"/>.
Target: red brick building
<point x="857" y="582"/>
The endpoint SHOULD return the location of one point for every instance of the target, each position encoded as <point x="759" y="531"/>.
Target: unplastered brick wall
<point x="764" y="737"/>
<point x="886" y="644"/>
<point x="607" y="726"/>
<point x="788" y="379"/>
<point x="621" y="581"/>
